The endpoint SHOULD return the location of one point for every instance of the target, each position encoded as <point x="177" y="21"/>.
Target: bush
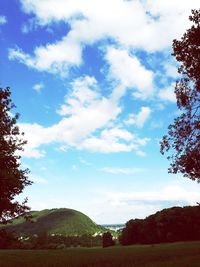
<point x="107" y="240"/>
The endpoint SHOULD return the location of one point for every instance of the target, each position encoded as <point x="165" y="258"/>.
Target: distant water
<point x="114" y="227"/>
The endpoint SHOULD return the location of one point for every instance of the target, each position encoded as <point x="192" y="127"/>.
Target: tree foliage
<point x="7" y="240"/>
<point x="169" y="225"/>
<point x="107" y="240"/>
<point x="13" y="179"/>
<point x="183" y="139"/>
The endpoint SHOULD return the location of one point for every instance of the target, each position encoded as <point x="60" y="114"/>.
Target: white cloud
<point x="88" y="122"/>
<point x="71" y="134"/>
<point x="38" y="87"/>
<point x="114" y="140"/>
<point x="171" y="70"/>
<point x="3" y="20"/>
<point x="131" y="24"/>
<point x="130" y="72"/>
<point x="167" y="94"/>
<point x="86" y="110"/>
<point x="83" y="95"/>
<point x="98" y="144"/>
<point x="36" y="135"/>
<point x="54" y="58"/>
<point x="119" y="206"/>
<point x="167" y="194"/>
<point x="116" y="133"/>
<point x="140" y="118"/>
<point x="126" y="171"/>
<point x="115" y="18"/>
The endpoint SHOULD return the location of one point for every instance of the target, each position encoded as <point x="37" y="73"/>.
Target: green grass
<point x="165" y="255"/>
<point x="58" y="221"/>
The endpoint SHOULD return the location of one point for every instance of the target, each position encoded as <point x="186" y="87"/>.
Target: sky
<point x="93" y="81"/>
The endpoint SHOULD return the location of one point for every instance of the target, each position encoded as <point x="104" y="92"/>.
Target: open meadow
<point x="184" y="254"/>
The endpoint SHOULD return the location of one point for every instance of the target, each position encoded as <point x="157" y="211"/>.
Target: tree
<point x="107" y="240"/>
<point x="13" y="179"/>
<point x="7" y="240"/>
<point x="183" y="138"/>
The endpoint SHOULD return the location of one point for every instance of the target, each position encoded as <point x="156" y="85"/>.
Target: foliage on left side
<point x="13" y="178"/>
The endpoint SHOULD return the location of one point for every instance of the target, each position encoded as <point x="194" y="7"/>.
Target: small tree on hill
<point x="12" y="178"/>
<point x="183" y="139"/>
<point x="107" y="240"/>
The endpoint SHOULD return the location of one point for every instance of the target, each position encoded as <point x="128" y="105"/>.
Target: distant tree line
<point x="168" y="225"/>
<point x="53" y="241"/>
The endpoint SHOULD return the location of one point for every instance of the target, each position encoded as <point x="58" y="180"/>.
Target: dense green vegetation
<point x="13" y="178"/>
<point x="52" y="229"/>
<point x="48" y="241"/>
<point x="66" y="222"/>
<point x="169" y="225"/>
<point x="44" y="241"/>
<point x="170" y="255"/>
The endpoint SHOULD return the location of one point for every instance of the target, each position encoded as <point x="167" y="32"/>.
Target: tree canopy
<point x="168" y="225"/>
<point x="13" y="179"/>
<point x="182" y="143"/>
<point x="107" y="240"/>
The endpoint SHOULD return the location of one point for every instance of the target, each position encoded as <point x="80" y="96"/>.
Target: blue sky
<point x="93" y="81"/>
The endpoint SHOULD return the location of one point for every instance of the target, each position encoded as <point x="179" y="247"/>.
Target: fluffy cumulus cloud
<point x="115" y="140"/>
<point x="54" y="58"/>
<point x="36" y="135"/>
<point x="84" y="112"/>
<point x="149" y="17"/>
<point x="120" y="30"/>
<point x="129" y="23"/>
<point x="130" y="72"/>
<point x="112" y="140"/>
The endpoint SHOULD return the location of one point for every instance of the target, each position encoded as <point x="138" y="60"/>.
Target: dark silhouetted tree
<point x="183" y="139"/>
<point x="7" y="240"/>
<point x="107" y="240"/>
<point x="12" y="178"/>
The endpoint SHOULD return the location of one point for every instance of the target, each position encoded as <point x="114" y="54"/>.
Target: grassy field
<point x="169" y="255"/>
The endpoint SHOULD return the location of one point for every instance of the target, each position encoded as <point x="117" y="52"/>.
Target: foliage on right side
<point x="183" y="138"/>
<point x="169" y="225"/>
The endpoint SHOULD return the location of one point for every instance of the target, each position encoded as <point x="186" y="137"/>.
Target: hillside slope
<point x="55" y="221"/>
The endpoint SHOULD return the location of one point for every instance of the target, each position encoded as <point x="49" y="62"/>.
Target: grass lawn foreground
<point x="184" y="254"/>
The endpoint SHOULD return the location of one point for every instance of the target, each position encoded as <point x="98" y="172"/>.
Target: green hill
<point x="55" y="221"/>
